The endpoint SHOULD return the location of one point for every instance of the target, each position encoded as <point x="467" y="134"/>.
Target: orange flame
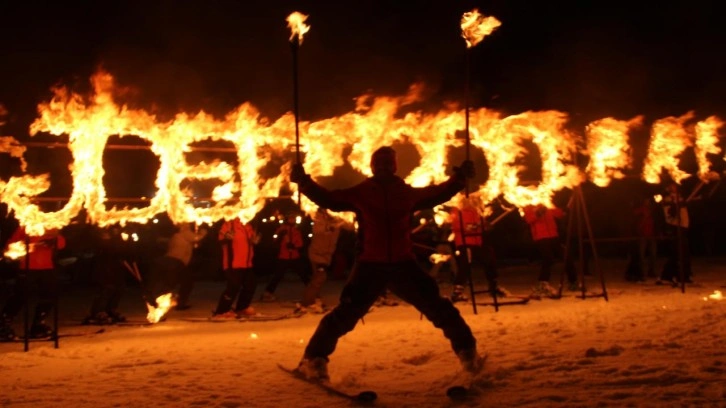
<point x="164" y="303"/>
<point x="607" y="144"/>
<point x="707" y="143"/>
<point x="296" y="23"/>
<point x="241" y="191"/>
<point x="16" y="250"/>
<point x="474" y="27"/>
<point x="669" y="138"/>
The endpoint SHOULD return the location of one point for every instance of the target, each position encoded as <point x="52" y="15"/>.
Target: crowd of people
<point x="392" y="256"/>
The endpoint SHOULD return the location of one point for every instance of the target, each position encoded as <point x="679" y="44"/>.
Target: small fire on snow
<point x="716" y="295"/>
<point x="164" y="303"/>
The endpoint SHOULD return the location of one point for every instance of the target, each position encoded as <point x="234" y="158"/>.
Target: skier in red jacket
<point x="384" y="204"/>
<point x="40" y="270"/>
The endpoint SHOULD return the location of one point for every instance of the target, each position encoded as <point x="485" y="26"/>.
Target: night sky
<point x="590" y="59"/>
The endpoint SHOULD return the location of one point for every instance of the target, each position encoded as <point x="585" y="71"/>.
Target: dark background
<point x="589" y="59"/>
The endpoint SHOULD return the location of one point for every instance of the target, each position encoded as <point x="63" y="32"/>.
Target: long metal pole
<point x="295" y="46"/>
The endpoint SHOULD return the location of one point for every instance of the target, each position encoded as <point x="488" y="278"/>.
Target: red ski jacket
<point x="384" y="212"/>
<point x="237" y="240"/>
<point x="542" y="223"/>
<point x="42" y="248"/>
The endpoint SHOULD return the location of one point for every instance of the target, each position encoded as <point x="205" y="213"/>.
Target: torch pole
<point x="467" y="76"/>
<point x="295" y="46"/>
<point x="26" y="282"/>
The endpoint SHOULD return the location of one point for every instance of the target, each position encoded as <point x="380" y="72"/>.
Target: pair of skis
<point x="457" y="392"/>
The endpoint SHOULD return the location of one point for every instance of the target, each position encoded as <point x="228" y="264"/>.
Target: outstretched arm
<point x="332" y="200"/>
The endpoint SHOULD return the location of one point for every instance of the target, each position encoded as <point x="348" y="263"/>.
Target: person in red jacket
<point x="41" y="271"/>
<point x="471" y="247"/>
<point x="238" y="240"/>
<point x="288" y="257"/>
<point x="384" y="204"/>
<point x="543" y="227"/>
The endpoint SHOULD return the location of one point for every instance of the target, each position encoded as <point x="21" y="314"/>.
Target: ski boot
<point x="116" y="317"/>
<point x="458" y="295"/>
<point x="314" y="368"/>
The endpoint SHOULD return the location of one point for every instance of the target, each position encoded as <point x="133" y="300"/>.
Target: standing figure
<point x="677" y="223"/>
<point x="288" y="257"/>
<point x="543" y="227"/>
<point x="326" y="230"/>
<point x="384" y="204"/>
<point x="169" y="273"/>
<point x="238" y="240"/>
<point x="472" y="247"/>
<point x="646" y="247"/>
<point x="41" y="272"/>
<point x="110" y="277"/>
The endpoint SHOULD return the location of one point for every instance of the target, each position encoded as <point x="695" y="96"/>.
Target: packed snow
<point x="647" y="345"/>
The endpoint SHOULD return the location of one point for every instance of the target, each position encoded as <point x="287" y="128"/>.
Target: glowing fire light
<point x="16" y="250"/>
<point x="474" y="27"/>
<point x="716" y="295"/>
<point x="164" y="303"/>
<point x="296" y="23"/>
<point x="439" y="258"/>
<point x="254" y="336"/>
<point x="88" y="123"/>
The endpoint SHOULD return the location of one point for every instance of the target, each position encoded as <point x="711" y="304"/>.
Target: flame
<point x="474" y="27"/>
<point x="707" y="143"/>
<point x="669" y="138"/>
<point x="347" y="139"/>
<point x="164" y="303"/>
<point x="296" y="23"/>
<point x="716" y="295"/>
<point x="439" y="258"/>
<point x="607" y="144"/>
<point x="16" y="250"/>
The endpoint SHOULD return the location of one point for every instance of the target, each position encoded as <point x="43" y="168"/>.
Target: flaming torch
<point x="298" y="28"/>
<point x="474" y="27"/>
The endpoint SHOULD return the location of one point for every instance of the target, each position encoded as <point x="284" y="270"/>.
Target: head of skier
<point x="383" y="162"/>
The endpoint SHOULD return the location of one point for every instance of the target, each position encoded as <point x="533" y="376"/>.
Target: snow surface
<point x="648" y="346"/>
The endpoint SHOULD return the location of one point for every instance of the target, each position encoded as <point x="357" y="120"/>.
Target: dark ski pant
<point x="110" y="276"/>
<point x="406" y="280"/>
<point x="284" y="265"/>
<point x="551" y="251"/>
<point x="482" y="255"/>
<point x="318" y="278"/>
<point x="671" y="269"/>
<point x="46" y="282"/>
<point x="241" y="283"/>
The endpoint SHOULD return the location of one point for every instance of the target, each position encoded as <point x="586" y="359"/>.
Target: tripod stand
<point x="577" y="218"/>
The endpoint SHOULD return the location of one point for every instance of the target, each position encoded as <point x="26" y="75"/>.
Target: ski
<point x="253" y="318"/>
<point x="52" y="337"/>
<point x="363" y="396"/>
<point x="509" y="300"/>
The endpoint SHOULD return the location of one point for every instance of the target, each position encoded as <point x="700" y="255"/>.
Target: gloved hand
<point x="298" y="175"/>
<point x="466" y="170"/>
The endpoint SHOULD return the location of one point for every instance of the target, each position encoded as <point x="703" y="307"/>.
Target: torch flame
<point x="16" y="250"/>
<point x="296" y="23"/>
<point x="164" y="303"/>
<point x="707" y="143"/>
<point x="475" y="26"/>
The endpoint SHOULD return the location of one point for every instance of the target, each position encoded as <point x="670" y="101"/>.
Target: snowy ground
<point x="648" y="346"/>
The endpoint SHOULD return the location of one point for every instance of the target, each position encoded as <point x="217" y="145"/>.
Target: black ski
<point x="363" y="396"/>
<point x="20" y="339"/>
<point x="509" y="300"/>
<point x="254" y="318"/>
